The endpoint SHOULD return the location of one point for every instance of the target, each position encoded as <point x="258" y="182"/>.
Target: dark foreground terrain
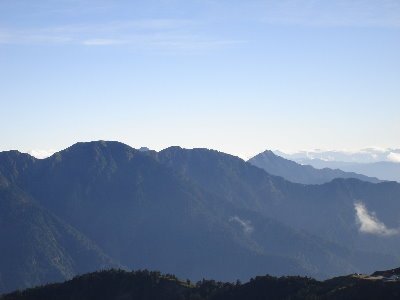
<point x="145" y="285"/>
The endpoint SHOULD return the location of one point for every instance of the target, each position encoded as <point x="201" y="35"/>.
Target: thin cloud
<point x="29" y="37"/>
<point x="103" y="42"/>
<point x="244" y="224"/>
<point x="118" y="27"/>
<point x="369" y="222"/>
<point x="169" y="34"/>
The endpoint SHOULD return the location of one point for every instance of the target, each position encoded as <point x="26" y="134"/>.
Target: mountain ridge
<point x="203" y="213"/>
<point x="385" y="170"/>
<point x="305" y="174"/>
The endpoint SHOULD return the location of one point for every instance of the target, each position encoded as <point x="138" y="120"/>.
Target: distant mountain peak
<point x="268" y="153"/>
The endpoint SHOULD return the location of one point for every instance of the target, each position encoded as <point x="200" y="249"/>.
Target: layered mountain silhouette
<point x="384" y="170"/>
<point x="194" y="213"/>
<point x="298" y="173"/>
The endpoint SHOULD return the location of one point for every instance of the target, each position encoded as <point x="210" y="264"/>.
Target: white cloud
<point x="373" y="149"/>
<point x="245" y="224"/>
<point x="394" y="157"/>
<point x="365" y="155"/>
<point x="103" y="42"/>
<point x="369" y="223"/>
<point x="39" y="153"/>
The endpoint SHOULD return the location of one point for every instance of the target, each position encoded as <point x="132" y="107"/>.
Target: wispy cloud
<point x="244" y="224"/>
<point x="369" y="222"/>
<point x="170" y="34"/>
<point x="103" y="42"/>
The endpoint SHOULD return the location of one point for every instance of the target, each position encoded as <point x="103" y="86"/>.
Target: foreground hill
<point x="194" y="213"/>
<point x="145" y="285"/>
<point x="305" y="174"/>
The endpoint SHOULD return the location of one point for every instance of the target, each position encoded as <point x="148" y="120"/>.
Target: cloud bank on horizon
<point x="366" y="155"/>
<point x="361" y="156"/>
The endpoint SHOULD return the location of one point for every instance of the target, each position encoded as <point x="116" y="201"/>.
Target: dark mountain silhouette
<point x="327" y="210"/>
<point x="195" y="213"/>
<point x="145" y="285"/>
<point x="140" y="213"/>
<point x="305" y="174"/>
<point x="36" y="247"/>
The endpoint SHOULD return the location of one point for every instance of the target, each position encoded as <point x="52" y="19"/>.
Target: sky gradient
<point x="236" y="76"/>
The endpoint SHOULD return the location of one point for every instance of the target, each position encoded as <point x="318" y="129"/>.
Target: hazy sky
<point x="237" y="76"/>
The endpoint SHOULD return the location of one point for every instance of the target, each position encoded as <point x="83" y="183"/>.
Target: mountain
<point x="198" y="213"/>
<point x="138" y="212"/>
<point x="331" y="211"/>
<point x="36" y="247"/>
<point x="145" y="285"/>
<point x="295" y="172"/>
<point x="384" y="170"/>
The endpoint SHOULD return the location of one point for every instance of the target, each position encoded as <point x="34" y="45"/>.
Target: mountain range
<point x="305" y="174"/>
<point x="193" y="212"/>
<point x="384" y="170"/>
<point x="381" y="164"/>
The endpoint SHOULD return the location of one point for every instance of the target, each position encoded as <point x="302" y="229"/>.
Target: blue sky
<point x="237" y="76"/>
